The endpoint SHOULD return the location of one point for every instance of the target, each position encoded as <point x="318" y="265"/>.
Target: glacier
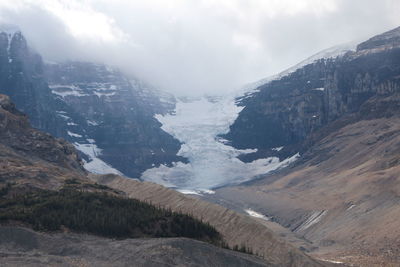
<point x="197" y="123"/>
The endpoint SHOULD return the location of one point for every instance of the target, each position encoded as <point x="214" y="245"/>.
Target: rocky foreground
<point x="24" y="247"/>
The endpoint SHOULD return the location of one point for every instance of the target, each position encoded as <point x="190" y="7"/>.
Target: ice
<point x="212" y="163"/>
<point x="95" y="164"/>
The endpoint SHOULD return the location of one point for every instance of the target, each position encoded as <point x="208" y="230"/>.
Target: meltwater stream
<point x="212" y="163"/>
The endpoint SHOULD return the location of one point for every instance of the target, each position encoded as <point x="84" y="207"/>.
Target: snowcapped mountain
<point x="329" y="53"/>
<point x="108" y="116"/>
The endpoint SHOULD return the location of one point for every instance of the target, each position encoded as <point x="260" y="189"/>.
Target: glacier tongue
<point x="197" y="124"/>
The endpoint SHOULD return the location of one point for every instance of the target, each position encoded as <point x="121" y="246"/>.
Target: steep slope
<point x="343" y="193"/>
<point x="108" y="117"/>
<point x="236" y="229"/>
<point x="116" y="117"/>
<point x="22" y="79"/>
<point x="32" y="158"/>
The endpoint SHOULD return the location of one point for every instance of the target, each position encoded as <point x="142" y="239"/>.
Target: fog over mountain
<point x="196" y="47"/>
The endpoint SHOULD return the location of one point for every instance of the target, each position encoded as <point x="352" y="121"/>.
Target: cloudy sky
<point x="191" y="47"/>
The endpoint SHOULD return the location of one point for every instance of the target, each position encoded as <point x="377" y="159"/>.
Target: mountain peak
<point x="385" y="40"/>
<point x="9" y="29"/>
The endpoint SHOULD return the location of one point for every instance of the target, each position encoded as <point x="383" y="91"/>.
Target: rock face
<point x="109" y="118"/>
<point x="116" y="115"/>
<point x="284" y="112"/>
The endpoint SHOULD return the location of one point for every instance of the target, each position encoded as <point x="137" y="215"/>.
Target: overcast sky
<point x="191" y="47"/>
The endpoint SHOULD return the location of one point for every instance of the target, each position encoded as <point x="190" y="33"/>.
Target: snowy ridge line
<point x="333" y="52"/>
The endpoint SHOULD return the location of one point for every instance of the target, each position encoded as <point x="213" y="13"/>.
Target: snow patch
<point x="64" y="117"/>
<point x="349" y="208"/>
<point x="66" y="90"/>
<point x="199" y="192"/>
<point x="319" y="89"/>
<point x="100" y="94"/>
<point x="256" y="214"/>
<point x="95" y="164"/>
<point x="74" y="134"/>
<point x="92" y="123"/>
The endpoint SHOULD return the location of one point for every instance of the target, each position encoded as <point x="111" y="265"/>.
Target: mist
<point x="196" y="47"/>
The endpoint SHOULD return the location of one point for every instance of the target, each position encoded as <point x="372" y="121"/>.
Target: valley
<point x="298" y="169"/>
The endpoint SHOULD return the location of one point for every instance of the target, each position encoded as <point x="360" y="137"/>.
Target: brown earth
<point x="343" y="195"/>
<point x="236" y="229"/>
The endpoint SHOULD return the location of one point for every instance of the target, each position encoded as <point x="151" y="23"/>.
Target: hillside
<point x="23" y="247"/>
<point x="236" y="229"/>
<point x="343" y="192"/>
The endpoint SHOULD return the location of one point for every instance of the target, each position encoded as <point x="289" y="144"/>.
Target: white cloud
<point x="196" y="46"/>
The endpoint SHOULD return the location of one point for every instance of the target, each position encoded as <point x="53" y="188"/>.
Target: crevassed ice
<point x="197" y="124"/>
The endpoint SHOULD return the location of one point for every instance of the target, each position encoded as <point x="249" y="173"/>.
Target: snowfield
<point x="212" y="162"/>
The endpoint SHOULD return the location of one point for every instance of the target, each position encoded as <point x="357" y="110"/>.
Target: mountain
<point x="44" y="187"/>
<point x="284" y="112"/>
<point x="342" y="114"/>
<point x="116" y="117"/>
<point x="107" y="116"/>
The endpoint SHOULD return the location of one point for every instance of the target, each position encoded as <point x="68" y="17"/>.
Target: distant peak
<point x="9" y="29"/>
<point x="387" y="39"/>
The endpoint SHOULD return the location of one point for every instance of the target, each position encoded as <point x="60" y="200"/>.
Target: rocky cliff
<point x="107" y="116"/>
<point x="343" y="115"/>
<point x="283" y="112"/>
<point x="116" y="117"/>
